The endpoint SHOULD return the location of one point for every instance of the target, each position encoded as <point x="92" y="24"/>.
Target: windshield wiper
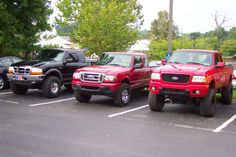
<point x="195" y="63"/>
<point x="174" y="62"/>
<point x="115" y="64"/>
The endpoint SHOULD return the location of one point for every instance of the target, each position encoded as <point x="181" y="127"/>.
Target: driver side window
<point x="138" y="61"/>
<point x="72" y="57"/>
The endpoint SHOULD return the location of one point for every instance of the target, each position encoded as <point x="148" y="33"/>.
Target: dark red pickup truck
<point x="116" y="75"/>
<point x="191" y="76"/>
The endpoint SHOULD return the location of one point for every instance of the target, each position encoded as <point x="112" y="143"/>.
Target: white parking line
<point x="135" y="109"/>
<point x="6" y="93"/>
<point x="191" y="127"/>
<point x="225" y="124"/>
<point x="12" y="102"/>
<point x="51" y="102"/>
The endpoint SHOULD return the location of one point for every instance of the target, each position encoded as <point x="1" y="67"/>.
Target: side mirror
<point x="163" y="62"/>
<point x="137" y="66"/>
<point x="68" y="60"/>
<point x="220" y="65"/>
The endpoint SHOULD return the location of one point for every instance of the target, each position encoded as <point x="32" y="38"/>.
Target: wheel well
<point x="126" y="80"/>
<point x="3" y="76"/>
<point x="55" y="73"/>
<point x="212" y="84"/>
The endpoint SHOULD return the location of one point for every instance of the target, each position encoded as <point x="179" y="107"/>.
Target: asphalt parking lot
<point x="34" y="126"/>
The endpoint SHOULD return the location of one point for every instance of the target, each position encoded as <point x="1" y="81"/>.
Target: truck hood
<point x="106" y="69"/>
<point x="34" y="63"/>
<point x="183" y="69"/>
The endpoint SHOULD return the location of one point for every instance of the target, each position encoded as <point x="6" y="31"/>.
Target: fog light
<point x="153" y="88"/>
<point x="196" y="92"/>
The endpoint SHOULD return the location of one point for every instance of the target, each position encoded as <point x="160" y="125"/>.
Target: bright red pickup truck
<point x="191" y="76"/>
<point x="116" y="75"/>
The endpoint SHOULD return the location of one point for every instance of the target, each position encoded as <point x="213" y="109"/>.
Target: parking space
<point x="32" y="125"/>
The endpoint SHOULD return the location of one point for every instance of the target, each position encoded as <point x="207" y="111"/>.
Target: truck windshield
<point x="115" y="59"/>
<point x="201" y="58"/>
<point x="51" y="55"/>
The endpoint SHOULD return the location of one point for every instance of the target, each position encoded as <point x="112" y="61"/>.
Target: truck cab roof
<point x="196" y="50"/>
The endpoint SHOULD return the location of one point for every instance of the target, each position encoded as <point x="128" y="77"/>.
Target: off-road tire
<point x="227" y="94"/>
<point x="2" y="82"/>
<point x="208" y="104"/>
<point x="18" y="89"/>
<point x="156" y="102"/>
<point x="123" y="96"/>
<point x="82" y="97"/>
<point x="51" y="87"/>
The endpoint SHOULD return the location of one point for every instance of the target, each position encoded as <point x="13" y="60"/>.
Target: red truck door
<point x="137" y="72"/>
<point x="218" y="72"/>
<point x="146" y="72"/>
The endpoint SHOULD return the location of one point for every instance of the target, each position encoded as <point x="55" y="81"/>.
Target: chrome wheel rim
<point x="125" y="96"/>
<point x="54" y="87"/>
<point x="1" y="83"/>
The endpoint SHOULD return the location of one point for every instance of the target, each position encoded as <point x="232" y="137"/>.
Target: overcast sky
<point x="190" y="15"/>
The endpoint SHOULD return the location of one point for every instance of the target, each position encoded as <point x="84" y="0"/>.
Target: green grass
<point x="234" y="94"/>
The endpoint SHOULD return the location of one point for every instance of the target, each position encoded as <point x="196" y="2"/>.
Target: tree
<point x="231" y="34"/>
<point x="160" y="26"/>
<point x="144" y="34"/>
<point x="20" y="24"/>
<point x="220" y="31"/>
<point x="194" y="36"/>
<point x="158" y="48"/>
<point x="228" y="47"/>
<point x="102" y="25"/>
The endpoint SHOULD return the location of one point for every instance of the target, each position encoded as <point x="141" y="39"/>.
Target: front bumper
<point x="184" y="90"/>
<point x="108" y="89"/>
<point x="27" y="80"/>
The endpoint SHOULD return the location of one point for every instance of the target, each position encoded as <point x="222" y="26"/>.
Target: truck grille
<point x="179" y="78"/>
<point x="21" y="70"/>
<point x="92" y="77"/>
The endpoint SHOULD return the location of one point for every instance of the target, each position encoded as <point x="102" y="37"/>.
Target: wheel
<point x="123" y="96"/>
<point x="68" y="86"/>
<point x="82" y="97"/>
<point x="207" y="105"/>
<point x="156" y="102"/>
<point x="227" y="94"/>
<point x="51" y="87"/>
<point x="2" y="82"/>
<point x="18" y="89"/>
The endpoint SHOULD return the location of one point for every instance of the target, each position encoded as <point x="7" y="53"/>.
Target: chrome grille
<point x="178" y="78"/>
<point x="92" y="77"/>
<point x="21" y="70"/>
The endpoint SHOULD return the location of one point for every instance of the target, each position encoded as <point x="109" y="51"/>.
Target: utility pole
<point x="170" y="26"/>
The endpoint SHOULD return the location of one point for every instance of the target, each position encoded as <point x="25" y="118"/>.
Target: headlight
<point x="36" y="71"/>
<point x="110" y="78"/>
<point x="200" y="79"/>
<point x="77" y="75"/>
<point x="156" y="76"/>
<point x="10" y="70"/>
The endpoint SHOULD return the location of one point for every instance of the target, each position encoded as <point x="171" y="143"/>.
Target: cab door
<point x="137" y="72"/>
<point x="218" y="72"/>
<point x="70" y="64"/>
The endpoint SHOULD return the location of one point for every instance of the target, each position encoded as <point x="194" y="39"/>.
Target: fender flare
<point x="54" y="72"/>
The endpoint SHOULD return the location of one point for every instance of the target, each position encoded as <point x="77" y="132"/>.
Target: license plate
<point x="18" y="77"/>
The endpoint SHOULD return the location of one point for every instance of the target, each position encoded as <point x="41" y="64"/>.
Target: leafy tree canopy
<point x="102" y="25"/>
<point x="20" y="23"/>
<point x="228" y="48"/>
<point x="160" y="27"/>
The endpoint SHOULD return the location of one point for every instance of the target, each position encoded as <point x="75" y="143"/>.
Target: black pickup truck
<point x="52" y="69"/>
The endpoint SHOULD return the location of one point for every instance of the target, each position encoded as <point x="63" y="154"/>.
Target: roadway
<point x="34" y="126"/>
